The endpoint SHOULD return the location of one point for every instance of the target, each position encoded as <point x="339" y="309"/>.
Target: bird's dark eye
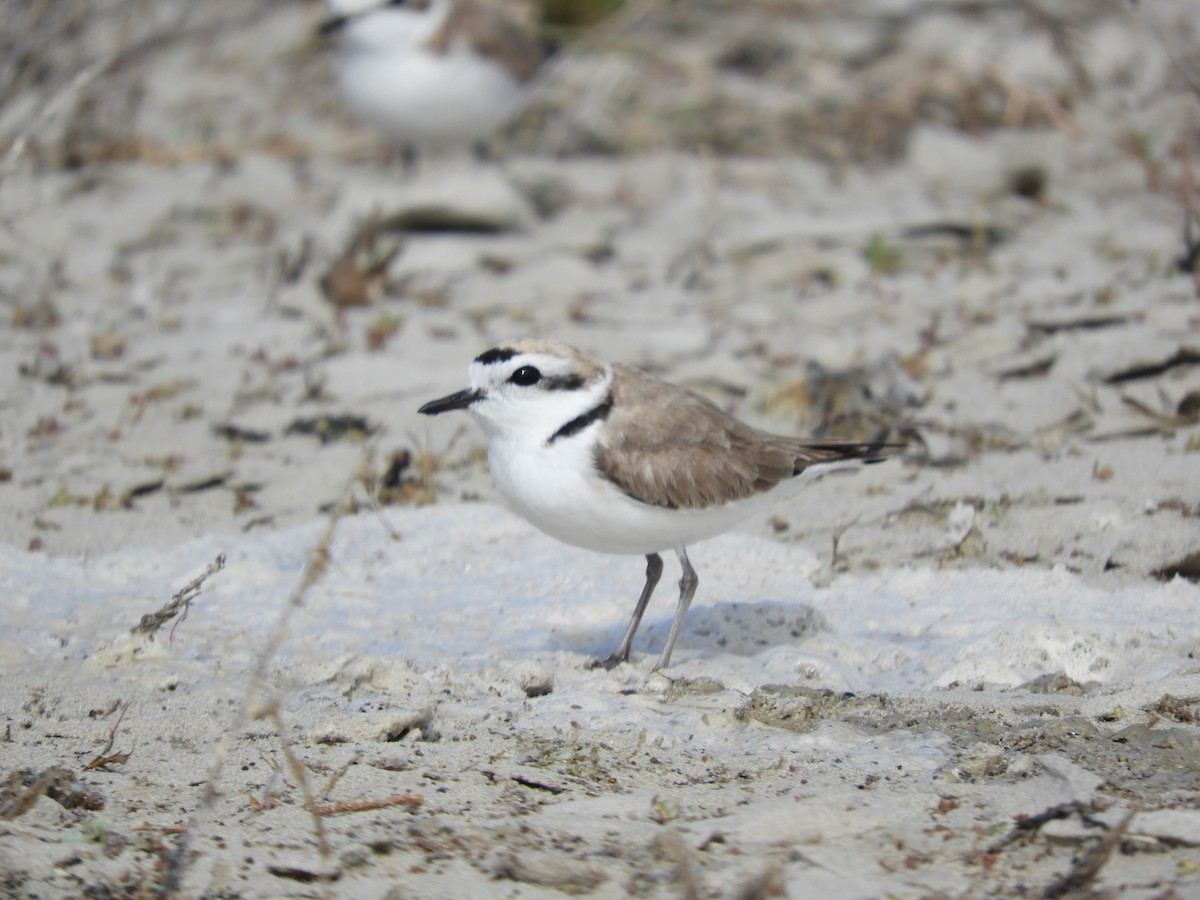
<point x="525" y="376"/>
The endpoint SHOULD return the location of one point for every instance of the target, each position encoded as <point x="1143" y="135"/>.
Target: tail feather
<point x="822" y="453"/>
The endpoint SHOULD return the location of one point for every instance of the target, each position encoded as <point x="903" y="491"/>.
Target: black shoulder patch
<point x="495" y="355"/>
<point x="597" y="413"/>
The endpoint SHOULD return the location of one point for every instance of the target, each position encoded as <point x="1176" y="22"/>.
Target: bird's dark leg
<point x="482" y="151"/>
<point x="687" y="590"/>
<point x="654" y="567"/>
<point x="409" y="159"/>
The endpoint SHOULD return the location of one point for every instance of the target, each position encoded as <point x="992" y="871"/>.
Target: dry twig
<point x="106" y="757"/>
<point x="353" y="806"/>
<point x="1031" y="824"/>
<point x="161" y="829"/>
<point x="151" y="622"/>
<point x="1084" y="873"/>
<point x="337" y="776"/>
<point x="835" y="561"/>
<point x="27" y="799"/>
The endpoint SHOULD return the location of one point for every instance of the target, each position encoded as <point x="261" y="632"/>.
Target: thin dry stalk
<point x="687" y="879"/>
<point x="300" y="773"/>
<point x="353" y="806"/>
<point x="1190" y="76"/>
<point x="151" y="622"/>
<point x="106" y="757"/>
<point x="337" y="776"/>
<point x="366" y="475"/>
<point x="161" y="829"/>
<point x="255" y="707"/>
<point x="1030" y="824"/>
<point x="48" y="111"/>
<point x="1079" y="880"/>
<point x="27" y="799"/>
<point x="126" y="55"/>
<point x="835" y="559"/>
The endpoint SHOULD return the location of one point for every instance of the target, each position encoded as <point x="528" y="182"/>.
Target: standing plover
<point x="430" y="73"/>
<point x="609" y="458"/>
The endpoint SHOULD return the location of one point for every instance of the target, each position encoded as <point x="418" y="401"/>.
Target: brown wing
<point x="683" y="452"/>
<point x="492" y="35"/>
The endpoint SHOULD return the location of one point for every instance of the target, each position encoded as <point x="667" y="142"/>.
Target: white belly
<point x="428" y="100"/>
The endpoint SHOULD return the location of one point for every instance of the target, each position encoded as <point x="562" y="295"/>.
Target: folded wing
<point x="666" y="446"/>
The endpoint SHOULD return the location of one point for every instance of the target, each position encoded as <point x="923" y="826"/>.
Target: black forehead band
<point x="495" y="355"/>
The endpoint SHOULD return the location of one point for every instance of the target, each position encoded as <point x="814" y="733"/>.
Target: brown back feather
<point x="492" y="35"/>
<point x="681" y="451"/>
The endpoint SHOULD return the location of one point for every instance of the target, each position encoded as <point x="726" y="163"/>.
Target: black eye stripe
<point x="562" y="383"/>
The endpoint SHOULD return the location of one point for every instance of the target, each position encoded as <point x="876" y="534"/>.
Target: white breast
<point x="416" y="97"/>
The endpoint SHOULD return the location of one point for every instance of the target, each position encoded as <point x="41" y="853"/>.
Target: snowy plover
<point x="609" y="458"/>
<point x="428" y="73"/>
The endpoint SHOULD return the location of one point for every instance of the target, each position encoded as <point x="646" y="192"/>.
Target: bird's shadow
<point x="740" y="628"/>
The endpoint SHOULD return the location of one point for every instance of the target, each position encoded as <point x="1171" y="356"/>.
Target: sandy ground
<point x="970" y="672"/>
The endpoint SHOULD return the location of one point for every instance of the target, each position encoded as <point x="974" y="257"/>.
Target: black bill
<point x="332" y="25"/>
<point x="461" y="400"/>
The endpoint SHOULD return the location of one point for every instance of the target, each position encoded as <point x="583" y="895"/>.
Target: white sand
<point x="993" y="642"/>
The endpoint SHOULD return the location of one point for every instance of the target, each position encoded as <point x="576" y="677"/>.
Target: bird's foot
<point x="609" y="663"/>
